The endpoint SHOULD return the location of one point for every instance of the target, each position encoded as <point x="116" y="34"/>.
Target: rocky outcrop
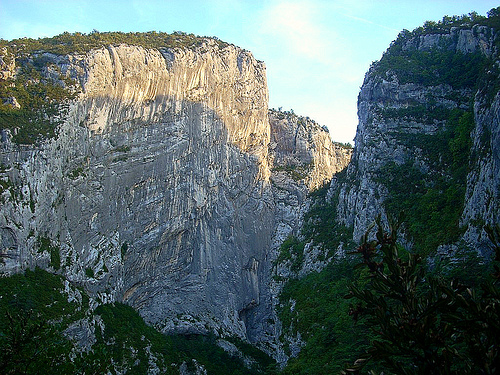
<point x="162" y="188"/>
<point x="396" y="107"/>
<point x="305" y="150"/>
<point x="7" y="64"/>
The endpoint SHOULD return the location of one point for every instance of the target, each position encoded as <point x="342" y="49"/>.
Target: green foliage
<point x="129" y="338"/>
<point x="35" y="290"/>
<point x="489" y="84"/>
<point x="432" y="206"/>
<point x="42" y="99"/>
<point x="75" y="173"/>
<point x="292" y="249"/>
<point x="215" y="360"/>
<point x="32" y="205"/>
<point x="439" y="65"/>
<point x="124" y="148"/>
<point x="434" y="67"/>
<point x="345" y="145"/>
<point x="466" y="21"/>
<point x="32" y="346"/>
<point x="41" y="103"/>
<point x="45" y="245"/>
<point x="401" y="305"/>
<point x="33" y="313"/>
<point x="464" y="265"/>
<point x="296" y="172"/>
<point x="123" y="249"/>
<point x="67" y="43"/>
<point x="493" y="19"/>
<point x="126" y="337"/>
<point x="417" y="112"/>
<point x="321" y="225"/>
<point x="432" y="201"/>
<point x="89" y="272"/>
<point x="313" y="305"/>
<point x="6" y="185"/>
<point x="321" y="315"/>
<point x="264" y="363"/>
<point x="423" y="324"/>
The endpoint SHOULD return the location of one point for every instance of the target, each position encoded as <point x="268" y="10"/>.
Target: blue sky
<point x="316" y="51"/>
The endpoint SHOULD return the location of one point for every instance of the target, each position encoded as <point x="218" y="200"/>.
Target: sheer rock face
<point x="157" y="187"/>
<point x="482" y="203"/>
<point x="378" y="143"/>
<point x="378" y="137"/>
<point x="299" y="144"/>
<point x="131" y="84"/>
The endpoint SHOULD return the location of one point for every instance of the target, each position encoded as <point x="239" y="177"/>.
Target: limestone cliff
<point x="156" y="188"/>
<point x="428" y="136"/>
<point x="304" y="149"/>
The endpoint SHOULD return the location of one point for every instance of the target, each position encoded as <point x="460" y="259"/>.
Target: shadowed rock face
<point x="379" y="138"/>
<point x="157" y="191"/>
<point x="191" y="210"/>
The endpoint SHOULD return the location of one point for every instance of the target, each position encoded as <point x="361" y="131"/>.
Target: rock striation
<point x="166" y="185"/>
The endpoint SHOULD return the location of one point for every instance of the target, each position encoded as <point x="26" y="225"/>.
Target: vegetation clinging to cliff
<point x="313" y="305"/>
<point x="33" y="102"/>
<point x="437" y="161"/>
<point x="439" y="64"/>
<point x="465" y="21"/>
<point x="430" y="187"/>
<point x="39" y="310"/>
<point x="434" y="200"/>
<point x="433" y="67"/>
<point x="77" y="42"/>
